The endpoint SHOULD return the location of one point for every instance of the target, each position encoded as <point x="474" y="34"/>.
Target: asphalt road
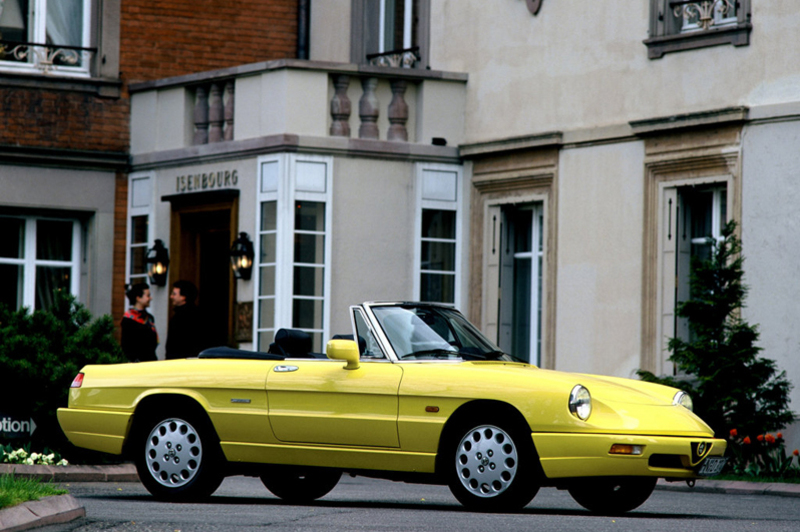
<point x="365" y="504"/>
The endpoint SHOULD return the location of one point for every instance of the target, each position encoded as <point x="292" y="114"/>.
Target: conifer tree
<point x="732" y="386"/>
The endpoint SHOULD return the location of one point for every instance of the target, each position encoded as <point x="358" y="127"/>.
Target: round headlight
<point x="580" y="402"/>
<point x="684" y="399"/>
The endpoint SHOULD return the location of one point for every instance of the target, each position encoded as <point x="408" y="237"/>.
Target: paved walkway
<point x="63" y="508"/>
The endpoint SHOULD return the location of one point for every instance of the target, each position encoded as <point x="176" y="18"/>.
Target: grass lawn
<point x="16" y="490"/>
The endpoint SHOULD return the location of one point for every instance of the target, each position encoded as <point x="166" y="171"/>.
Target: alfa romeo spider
<point x="414" y="393"/>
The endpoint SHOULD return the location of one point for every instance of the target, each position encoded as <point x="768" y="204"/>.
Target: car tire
<point x="612" y="495"/>
<point x="178" y="457"/>
<point x="491" y="467"/>
<point x="299" y="484"/>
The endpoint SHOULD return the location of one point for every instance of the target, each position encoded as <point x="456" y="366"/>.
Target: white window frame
<point x="536" y="256"/>
<point x="29" y="262"/>
<point x="387" y="15"/>
<point x="667" y="322"/>
<point x="143" y="207"/>
<point x="423" y="202"/>
<point x="38" y="61"/>
<point x="287" y="191"/>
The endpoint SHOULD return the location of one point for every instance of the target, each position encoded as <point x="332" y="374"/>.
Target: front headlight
<point x="684" y="399"/>
<point x="580" y="402"/>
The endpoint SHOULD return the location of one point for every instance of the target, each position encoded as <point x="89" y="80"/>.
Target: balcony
<point x="298" y="105"/>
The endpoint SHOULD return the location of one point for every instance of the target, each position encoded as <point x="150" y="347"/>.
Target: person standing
<point x="185" y="337"/>
<point x="139" y="335"/>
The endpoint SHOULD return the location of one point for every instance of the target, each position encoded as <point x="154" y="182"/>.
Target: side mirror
<point x="346" y="350"/>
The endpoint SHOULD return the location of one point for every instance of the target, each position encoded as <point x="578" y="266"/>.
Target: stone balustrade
<point x="304" y="98"/>
<point x="213" y="112"/>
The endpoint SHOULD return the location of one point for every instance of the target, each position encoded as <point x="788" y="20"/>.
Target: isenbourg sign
<point x="11" y="428"/>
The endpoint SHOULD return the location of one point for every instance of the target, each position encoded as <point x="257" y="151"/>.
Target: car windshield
<point x="438" y="333"/>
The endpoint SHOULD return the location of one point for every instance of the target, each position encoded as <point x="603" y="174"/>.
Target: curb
<point x="47" y="511"/>
<point x="738" y="487"/>
<point x="110" y="473"/>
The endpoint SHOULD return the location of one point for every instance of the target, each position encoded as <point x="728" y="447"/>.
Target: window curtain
<point x="65" y="22"/>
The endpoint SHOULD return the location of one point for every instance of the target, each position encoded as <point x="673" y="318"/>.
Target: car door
<point x="318" y="401"/>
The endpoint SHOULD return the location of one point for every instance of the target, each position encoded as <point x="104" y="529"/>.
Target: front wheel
<point x="299" y="484"/>
<point x="492" y="468"/>
<point x="612" y="496"/>
<point x="177" y="458"/>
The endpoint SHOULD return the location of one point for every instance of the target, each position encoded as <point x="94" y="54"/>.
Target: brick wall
<point x="176" y="37"/>
<point x="63" y="119"/>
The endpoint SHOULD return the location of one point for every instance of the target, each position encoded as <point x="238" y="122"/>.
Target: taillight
<point x="77" y="381"/>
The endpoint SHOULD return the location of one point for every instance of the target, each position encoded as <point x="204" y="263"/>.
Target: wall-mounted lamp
<point x="157" y="263"/>
<point x="242" y="257"/>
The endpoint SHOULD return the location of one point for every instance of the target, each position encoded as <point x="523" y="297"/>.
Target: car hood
<point x="619" y="405"/>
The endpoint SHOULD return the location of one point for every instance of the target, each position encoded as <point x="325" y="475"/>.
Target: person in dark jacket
<point x="185" y="337"/>
<point x="139" y="335"/>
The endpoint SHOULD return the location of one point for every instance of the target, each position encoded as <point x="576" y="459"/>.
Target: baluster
<point x="398" y="112"/>
<point x="340" y="107"/>
<point x="229" y="107"/>
<point x="368" y="110"/>
<point x="201" y="116"/>
<point x="216" y="115"/>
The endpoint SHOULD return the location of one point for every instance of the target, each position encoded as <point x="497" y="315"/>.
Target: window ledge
<point x="738" y="35"/>
<point x="108" y="88"/>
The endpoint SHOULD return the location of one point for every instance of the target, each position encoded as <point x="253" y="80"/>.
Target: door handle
<point x="284" y="369"/>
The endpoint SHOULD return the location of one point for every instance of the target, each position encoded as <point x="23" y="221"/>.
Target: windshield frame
<point x="482" y="349"/>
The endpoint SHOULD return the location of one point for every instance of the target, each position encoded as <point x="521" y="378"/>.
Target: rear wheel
<point x="178" y="458"/>
<point x="492" y="467"/>
<point x="612" y="495"/>
<point x="300" y="484"/>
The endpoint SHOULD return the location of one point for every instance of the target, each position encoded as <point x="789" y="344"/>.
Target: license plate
<point x="712" y="466"/>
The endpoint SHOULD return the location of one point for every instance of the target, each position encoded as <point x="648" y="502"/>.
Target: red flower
<point x="746" y="440"/>
<point x="734" y="433"/>
<point x="760" y="437"/>
<point x="796" y="452"/>
<point x="779" y="435"/>
<point x="770" y="438"/>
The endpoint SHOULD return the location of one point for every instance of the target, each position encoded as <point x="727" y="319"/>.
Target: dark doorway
<point x="201" y="240"/>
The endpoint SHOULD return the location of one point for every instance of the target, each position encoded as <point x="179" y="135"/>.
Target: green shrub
<point x="40" y="354"/>
<point x="735" y="390"/>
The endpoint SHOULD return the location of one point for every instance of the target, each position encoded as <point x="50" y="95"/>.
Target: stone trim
<point x="693" y="158"/>
<point x="543" y="140"/>
<point x="507" y="178"/>
<point x="336" y="146"/>
<point x="328" y="67"/>
<point x="650" y="126"/>
<point x="59" y="157"/>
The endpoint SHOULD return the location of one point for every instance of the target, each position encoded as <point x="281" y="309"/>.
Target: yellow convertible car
<point x="416" y="394"/>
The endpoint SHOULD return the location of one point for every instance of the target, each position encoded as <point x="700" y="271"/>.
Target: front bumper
<point x="587" y="455"/>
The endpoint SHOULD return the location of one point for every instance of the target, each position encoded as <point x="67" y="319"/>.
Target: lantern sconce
<point x="242" y="257"/>
<point x="157" y="263"/>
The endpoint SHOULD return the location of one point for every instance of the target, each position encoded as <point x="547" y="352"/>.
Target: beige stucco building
<point x="548" y="170"/>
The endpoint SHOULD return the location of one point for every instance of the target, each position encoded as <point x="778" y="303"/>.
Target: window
<point x="521" y="265"/>
<point x="700" y="216"/>
<point x="140" y="200"/>
<point x="437" y="275"/>
<point x="46" y="35"/>
<point x="293" y="247"/>
<point x="677" y="25"/>
<point x="384" y="29"/>
<point x="38" y="256"/>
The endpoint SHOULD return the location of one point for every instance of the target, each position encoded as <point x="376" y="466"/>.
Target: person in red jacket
<point x="139" y="335"/>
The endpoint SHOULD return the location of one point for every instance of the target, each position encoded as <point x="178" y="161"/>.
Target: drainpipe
<point x="303" y="24"/>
